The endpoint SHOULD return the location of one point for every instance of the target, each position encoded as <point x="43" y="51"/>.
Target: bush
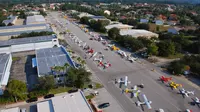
<point x="98" y="85"/>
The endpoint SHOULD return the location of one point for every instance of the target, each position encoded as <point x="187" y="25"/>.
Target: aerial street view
<point x="99" y="56"/>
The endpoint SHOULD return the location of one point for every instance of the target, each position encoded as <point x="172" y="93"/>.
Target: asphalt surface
<point x="157" y="92"/>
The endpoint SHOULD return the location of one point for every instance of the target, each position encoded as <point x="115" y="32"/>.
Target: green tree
<point x="85" y="20"/>
<point x="176" y="68"/>
<point x="78" y="77"/>
<point x="46" y="82"/>
<point x="166" y="48"/>
<point x="152" y="49"/>
<point x="113" y="33"/>
<point x="17" y="89"/>
<point x="143" y="26"/>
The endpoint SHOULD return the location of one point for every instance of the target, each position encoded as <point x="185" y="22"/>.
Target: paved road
<point x="159" y="94"/>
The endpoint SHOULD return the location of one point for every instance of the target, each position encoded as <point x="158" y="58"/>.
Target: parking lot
<point x="105" y="97"/>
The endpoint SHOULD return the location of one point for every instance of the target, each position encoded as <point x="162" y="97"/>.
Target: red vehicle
<point x="165" y="79"/>
<point x="91" y="51"/>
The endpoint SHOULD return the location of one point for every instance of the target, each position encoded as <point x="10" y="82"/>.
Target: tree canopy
<point x="17" y="89"/>
<point x="78" y="77"/>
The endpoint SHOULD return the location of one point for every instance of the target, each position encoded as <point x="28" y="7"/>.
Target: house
<point x="138" y="33"/>
<point x="172" y="23"/>
<point x="74" y="102"/>
<point x="107" y="12"/>
<point x="46" y="59"/>
<point x="159" y="22"/>
<point x="10" y="21"/>
<point x="144" y="20"/>
<point x="174" y="30"/>
<point x="28" y="44"/>
<point x="5" y="65"/>
<point x="119" y="26"/>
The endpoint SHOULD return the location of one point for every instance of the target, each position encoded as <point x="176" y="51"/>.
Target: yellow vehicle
<point x="114" y="48"/>
<point x="86" y="30"/>
<point x="174" y="85"/>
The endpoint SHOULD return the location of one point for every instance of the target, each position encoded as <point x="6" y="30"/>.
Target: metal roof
<point x="26" y="40"/>
<point x="119" y="26"/>
<point x="138" y="33"/>
<point x="22" y="26"/>
<point x="35" y="18"/>
<point x="20" y="32"/>
<point x="16" y="109"/>
<point x="3" y="60"/>
<point x="74" y="102"/>
<point x="50" y="57"/>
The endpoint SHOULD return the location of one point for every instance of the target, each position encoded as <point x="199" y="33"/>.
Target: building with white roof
<point x="5" y="65"/>
<point x="85" y="14"/>
<point x="7" y="31"/>
<point x="74" y="102"/>
<point x="119" y="26"/>
<point x="28" y="44"/>
<point x="16" y="109"/>
<point x="138" y="33"/>
<point x="35" y="19"/>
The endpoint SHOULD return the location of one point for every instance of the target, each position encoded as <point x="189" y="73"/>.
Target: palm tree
<point x="79" y="59"/>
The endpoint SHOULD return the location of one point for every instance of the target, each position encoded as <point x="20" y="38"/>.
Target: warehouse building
<point x="10" y="21"/>
<point x="74" y="102"/>
<point x="119" y="26"/>
<point x="8" y="31"/>
<point x="138" y="33"/>
<point x="35" y="19"/>
<point x="5" y="65"/>
<point x="47" y="59"/>
<point x="28" y="44"/>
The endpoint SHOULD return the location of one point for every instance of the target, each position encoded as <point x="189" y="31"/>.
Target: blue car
<point x="104" y="105"/>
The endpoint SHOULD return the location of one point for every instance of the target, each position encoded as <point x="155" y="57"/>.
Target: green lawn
<point x="178" y="55"/>
<point x="59" y="90"/>
<point x="15" y="58"/>
<point x="89" y="96"/>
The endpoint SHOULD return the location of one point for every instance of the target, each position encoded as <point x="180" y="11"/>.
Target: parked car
<point x="23" y="110"/>
<point x="48" y="96"/>
<point x="104" y="105"/>
<point x="73" y="90"/>
<point x="34" y="99"/>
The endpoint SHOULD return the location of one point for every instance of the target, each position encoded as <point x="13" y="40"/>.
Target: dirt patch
<point x="19" y="65"/>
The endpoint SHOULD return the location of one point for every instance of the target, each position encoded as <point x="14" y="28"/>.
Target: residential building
<point x="159" y="22"/>
<point x="138" y="33"/>
<point x="10" y="21"/>
<point x="144" y="20"/>
<point x="28" y="44"/>
<point x="74" y="102"/>
<point x="7" y="31"/>
<point x="47" y="59"/>
<point x="35" y="19"/>
<point x="119" y="26"/>
<point x="173" y="30"/>
<point x="5" y="65"/>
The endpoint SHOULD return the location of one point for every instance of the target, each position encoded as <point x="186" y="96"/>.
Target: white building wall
<point x="22" y="47"/>
<point x="5" y="49"/>
<point x="7" y="71"/>
<point x="29" y="46"/>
